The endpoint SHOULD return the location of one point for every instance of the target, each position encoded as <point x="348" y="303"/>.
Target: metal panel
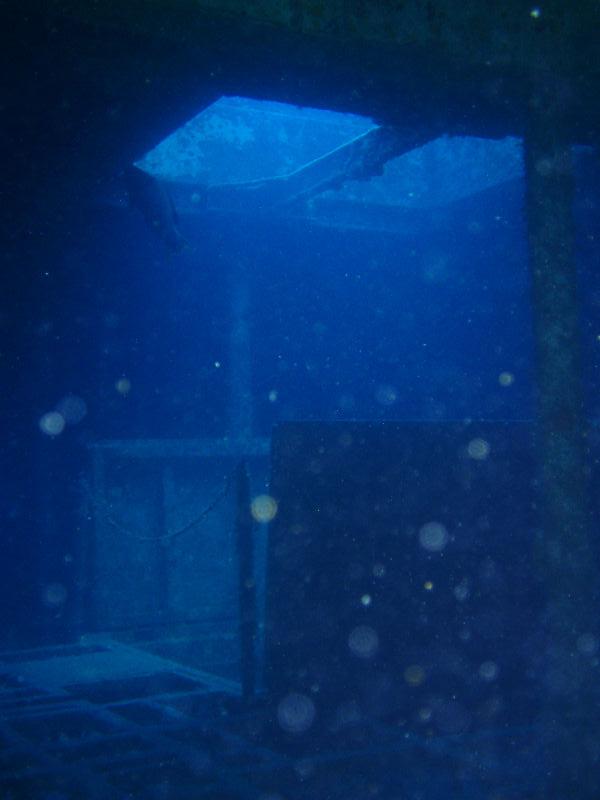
<point x="400" y="573"/>
<point x="164" y="549"/>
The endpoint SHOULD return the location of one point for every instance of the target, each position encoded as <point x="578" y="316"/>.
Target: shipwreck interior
<point x="269" y="523"/>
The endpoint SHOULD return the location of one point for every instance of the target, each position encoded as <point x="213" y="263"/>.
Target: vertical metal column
<point x="247" y="590"/>
<point x="241" y="407"/>
<point x="91" y="599"/>
<point x="567" y="558"/>
<point x="162" y="545"/>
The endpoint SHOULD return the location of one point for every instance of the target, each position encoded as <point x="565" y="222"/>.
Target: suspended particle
<point x="506" y="378"/>
<point x="348" y="713"/>
<point x="273" y="396"/>
<point x="304" y="768"/>
<point x="54" y="595"/>
<point x="488" y="671"/>
<point x="462" y="590"/>
<point x="433" y="536"/>
<point x="296" y="713"/>
<point x="428" y="586"/>
<point x="414" y="675"/>
<point x="263" y="508"/>
<point x="366" y="600"/>
<point x="587" y="644"/>
<point x="535" y="12"/>
<point x="386" y="395"/>
<point x="123" y="386"/>
<point x="363" y="641"/>
<point x="52" y="423"/>
<point x="478" y="449"/>
<point x="72" y="408"/>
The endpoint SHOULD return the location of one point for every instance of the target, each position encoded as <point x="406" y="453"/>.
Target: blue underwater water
<point x="272" y="497"/>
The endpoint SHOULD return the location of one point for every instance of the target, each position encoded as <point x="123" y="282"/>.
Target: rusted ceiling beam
<point x="478" y="32"/>
<point x="96" y="83"/>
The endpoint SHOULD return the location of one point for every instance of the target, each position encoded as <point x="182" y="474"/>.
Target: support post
<point x="241" y="411"/>
<point x="565" y="548"/>
<point x="91" y="567"/>
<point x="162" y="545"/>
<point x="247" y="588"/>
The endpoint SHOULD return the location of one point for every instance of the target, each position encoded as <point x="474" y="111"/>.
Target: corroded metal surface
<point x="95" y="85"/>
<point x="485" y="32"/>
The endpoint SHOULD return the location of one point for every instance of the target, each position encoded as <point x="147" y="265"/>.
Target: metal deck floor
<point x="106" y="720"/>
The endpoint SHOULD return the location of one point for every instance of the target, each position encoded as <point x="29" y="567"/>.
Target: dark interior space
<point x="300" y="463"/>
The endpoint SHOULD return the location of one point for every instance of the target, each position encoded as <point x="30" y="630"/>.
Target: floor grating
<point x="115" y="722"/>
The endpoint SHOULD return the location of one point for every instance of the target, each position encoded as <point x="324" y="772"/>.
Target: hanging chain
<point x="170" y="535"/>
